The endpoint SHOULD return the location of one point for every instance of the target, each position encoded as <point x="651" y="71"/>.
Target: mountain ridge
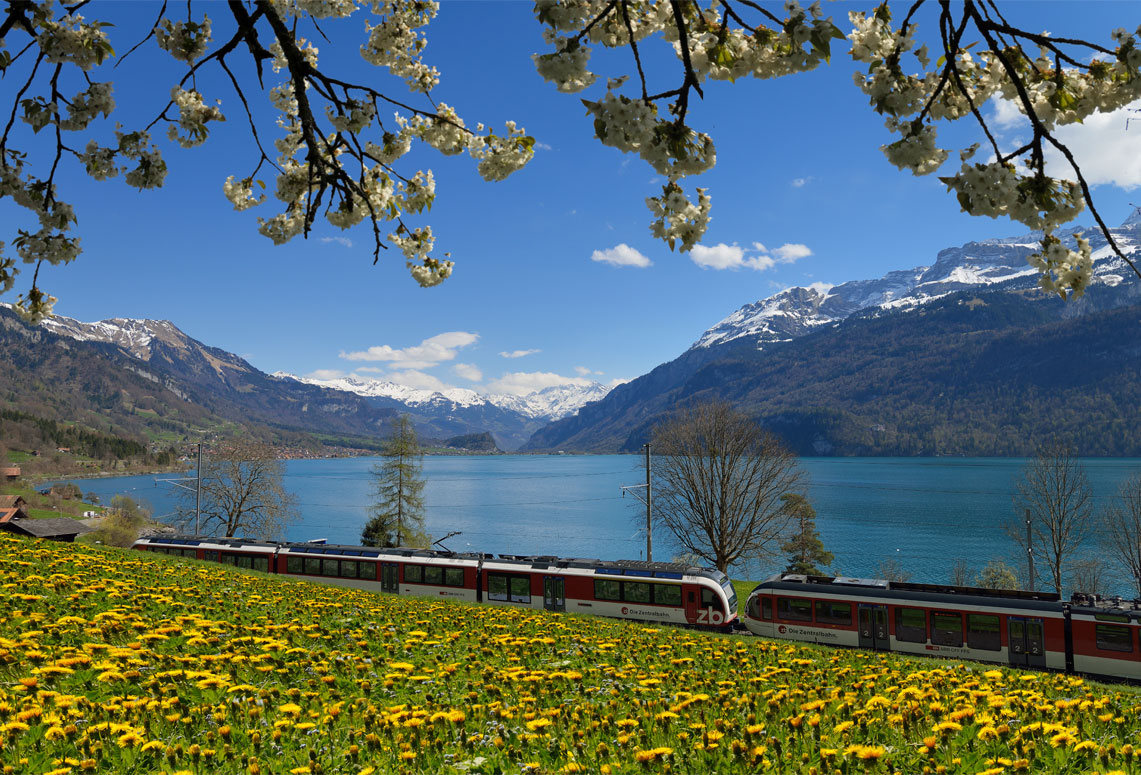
<point x="228" y="386"/>
<point x="985" y="284"/>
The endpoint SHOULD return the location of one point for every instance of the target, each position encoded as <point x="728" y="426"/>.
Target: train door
<point x="873" y="628"/>
<point x="1027" y="641"/>
<point x="390" y="577"/>
<point x="690" y="604"/>
<point x="554" y="593"/>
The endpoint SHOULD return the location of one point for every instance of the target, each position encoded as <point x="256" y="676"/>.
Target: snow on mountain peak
<point x="794" y="312"/>
<point x="548" y="404"/>
<point x="132" y="334"/>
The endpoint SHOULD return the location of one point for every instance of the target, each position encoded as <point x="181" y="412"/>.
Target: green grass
<point x="139" y="663"/>
<point x="743" y="588"/>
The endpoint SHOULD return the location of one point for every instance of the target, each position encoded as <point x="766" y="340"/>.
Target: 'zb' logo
<point x="709" y="616"/>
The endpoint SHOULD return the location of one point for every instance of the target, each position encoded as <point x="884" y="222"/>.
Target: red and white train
<point x="1088" y="635"/>
<point x="667" y="593"/>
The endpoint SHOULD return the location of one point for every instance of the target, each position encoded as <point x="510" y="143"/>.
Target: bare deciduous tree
<point x="1056" y="493"/>
<point x="892" y="569"/>
<point x="961" y="573"/>
<point x="1089" y="575"/>
<point x="1123" y="531"/>
<point x="718" y="484"/>
<point x="243" y="493"/>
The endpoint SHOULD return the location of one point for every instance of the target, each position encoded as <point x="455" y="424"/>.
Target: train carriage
<point x="1021" y="629"/>
<point x="1104" y="634"/>
<point x="666" y="593"/>
<point x="239" y="552"/>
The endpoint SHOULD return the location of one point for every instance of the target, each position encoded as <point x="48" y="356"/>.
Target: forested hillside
<point x="972" y="374"/>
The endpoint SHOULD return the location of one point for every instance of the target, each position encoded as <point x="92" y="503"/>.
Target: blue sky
<point x="799" y="171"/>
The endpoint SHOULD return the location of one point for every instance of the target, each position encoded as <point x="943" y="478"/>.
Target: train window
<point x="983" y="632"/>
<point x="794" y="608"/>
<point x="414" y="574"/>
<point x="605" y="589"/>
<point x="227" y="559"/>
<point x="830" y="612"/>
<point x="520" y="589"/>
<point x="367" y="570"/>
<point x="753" y="608"/>
<point x="636" y="592"/>
<point x="946" y="628"/>
<point x="191" y="553"/>
<point x="348" y="569"/>
<point x="497" y="587"/>
<point x="294" y="565"/>
<point x="245" y="561"/>
<point x="667" y="594"/>
<point x="329" y="568"/>
<point x="911" y="625"/>
<point x="211" y="556"/>
<point x="312" y="566"/>
<point x="1110" y="637"/>
<point x="767" y="608"/>
<point x="261" y="563"/>
<point x="1119" y="618"/>
<point x="454" y="577"/>
<point x="433" y="575"/>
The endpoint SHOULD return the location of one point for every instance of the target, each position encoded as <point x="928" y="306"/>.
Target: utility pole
<point x="1029" y="550"/>
<point x="648" y="500"/>
<point x="649" y="511"/>
<point x="198" y="492"/>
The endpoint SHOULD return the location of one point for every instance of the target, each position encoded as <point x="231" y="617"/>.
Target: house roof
<point x="10" y="471"/>
<point x="7" y="514"/>
<point x="10" y="501"/>
<point x="49" y="528"/>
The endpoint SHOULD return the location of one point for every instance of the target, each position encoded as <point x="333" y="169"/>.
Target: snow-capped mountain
<point x="221" y="382"/>
<point x="552" y="403"/>
<point x="964" y="355"/>
<point x="997" y="263"/>
<point x="132" y="335"/>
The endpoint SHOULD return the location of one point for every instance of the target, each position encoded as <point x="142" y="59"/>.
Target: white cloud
<point x="583" y="371"/>
<point x="722" y="256"/>
<point x="325" y="374"/>
<point x="468" y="371"/>
<point x="621" y="255"/>
<point x="518" y="353"/>
<point x="1005" y="113"/>
<point x="524" y="383"/>
<point x="542" y="147"/>
<point x="801" y="182"/>
<point x="348" y="243"/>
<point x="434" y="350"/>
<point x="1105" y="150"/>
<point x="1102" y="147"/>
<point x="792" y="251"/>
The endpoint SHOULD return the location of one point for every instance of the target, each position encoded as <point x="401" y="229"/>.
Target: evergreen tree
<point x="805" y="550"/>
<point x="398" y="501"/>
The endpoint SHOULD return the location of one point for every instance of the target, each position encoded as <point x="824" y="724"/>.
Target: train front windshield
<point x="732" y="595"/>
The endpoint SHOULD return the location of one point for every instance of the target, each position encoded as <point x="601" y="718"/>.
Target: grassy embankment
<point x="48" y="506"/>
<point x="119" y="662"/>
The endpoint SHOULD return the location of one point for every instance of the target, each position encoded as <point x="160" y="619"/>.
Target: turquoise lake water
<point x="924" y="512"/>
